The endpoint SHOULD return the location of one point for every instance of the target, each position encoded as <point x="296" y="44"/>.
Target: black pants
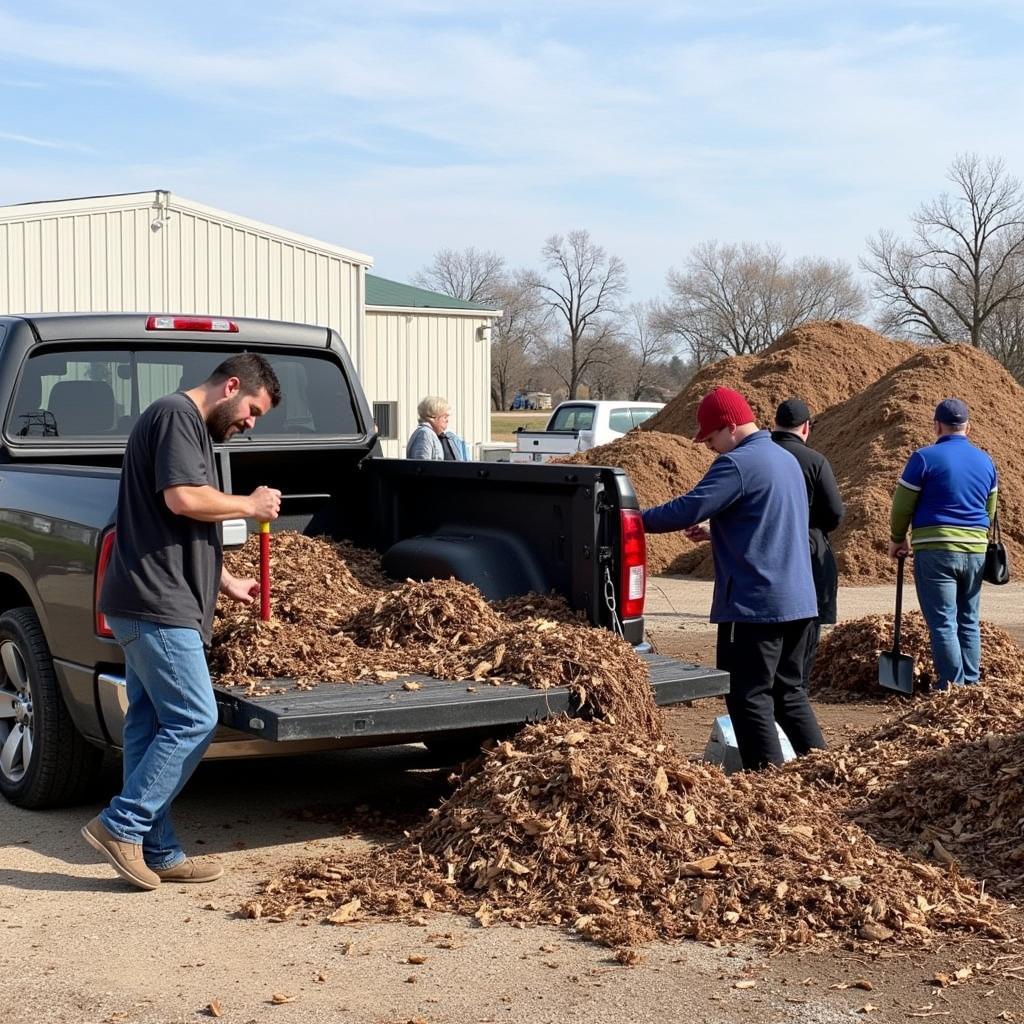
<point x="813" y="636"/>
<point x="765" y="662"/>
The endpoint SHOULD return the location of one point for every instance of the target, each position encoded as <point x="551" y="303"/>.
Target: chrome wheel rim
<point x="16" y="718"/>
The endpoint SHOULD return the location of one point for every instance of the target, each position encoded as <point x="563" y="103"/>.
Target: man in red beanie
<point x="764" y="601"/>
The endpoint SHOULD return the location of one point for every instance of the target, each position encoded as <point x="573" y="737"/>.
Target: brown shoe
<point x="192" y="869"/>
<point x="125" y="858"/>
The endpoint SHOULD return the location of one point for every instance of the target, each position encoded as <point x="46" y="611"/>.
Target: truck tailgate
<point x="385" y="710"/>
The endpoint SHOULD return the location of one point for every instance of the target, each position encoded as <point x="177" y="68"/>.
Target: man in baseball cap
<point x="947" y="496"/>
<point x="764" y="600"/>
<point x="792" y="429"/>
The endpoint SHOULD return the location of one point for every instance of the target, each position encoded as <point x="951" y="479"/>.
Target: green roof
<point x="382" y="292"/>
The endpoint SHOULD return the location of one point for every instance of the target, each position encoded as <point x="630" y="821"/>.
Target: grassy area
<point x="505" y="424"/>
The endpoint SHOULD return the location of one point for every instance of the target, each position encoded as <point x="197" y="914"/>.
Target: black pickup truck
<point x="72" y="386"/>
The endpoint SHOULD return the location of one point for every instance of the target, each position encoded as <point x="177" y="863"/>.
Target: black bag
<point x="997" y="558"/>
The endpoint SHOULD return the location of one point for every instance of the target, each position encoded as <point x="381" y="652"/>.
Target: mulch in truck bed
<point x="336" y="618"/>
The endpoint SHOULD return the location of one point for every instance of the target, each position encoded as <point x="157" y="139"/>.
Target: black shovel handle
<point x="899" y="607"/>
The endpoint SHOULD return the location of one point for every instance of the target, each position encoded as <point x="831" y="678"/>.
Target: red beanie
<point x="719" y="408"/>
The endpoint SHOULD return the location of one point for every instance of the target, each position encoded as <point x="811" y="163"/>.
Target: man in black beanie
<point x="792" y="428"/>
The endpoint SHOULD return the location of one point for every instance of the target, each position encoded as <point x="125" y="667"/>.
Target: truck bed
<point x="362" y="711"/>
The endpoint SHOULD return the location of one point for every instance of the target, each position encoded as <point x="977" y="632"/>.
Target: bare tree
<point x="1004" y="337"/>
<point x="737" y="299"/>
<point x="582" y="292"/>
<point x="470" y="274"/>
<point x="964" y="263"/>
<point x="515" y="336"/>
<point x="648" y="348"/>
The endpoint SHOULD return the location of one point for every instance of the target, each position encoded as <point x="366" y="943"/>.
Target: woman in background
<point x="431" y="439"/>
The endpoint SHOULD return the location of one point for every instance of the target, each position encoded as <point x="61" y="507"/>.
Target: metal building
<point x="157" y="252"/>
<point x="420" y="343"/>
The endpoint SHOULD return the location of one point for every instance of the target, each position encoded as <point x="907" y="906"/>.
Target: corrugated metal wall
<point x="411" y="355"/>
<point x="154" y="252"/>
<point x="136" y="253"/>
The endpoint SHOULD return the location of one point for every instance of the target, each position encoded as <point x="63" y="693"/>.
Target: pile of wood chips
<point x="847" y="660"/>
<point x="338" y="619"/>
<point x="426" y="613"/>
<point x="597" y="825"/>
<point x="620" y="839"/>
<point x="943" y="781"/>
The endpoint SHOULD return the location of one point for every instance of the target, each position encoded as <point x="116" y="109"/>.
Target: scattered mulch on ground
<point x="962" y="805"/>
<point x="869" y="438"/>
<point x="583" y="825"/>
<point x="661" y="467"/>
<point x="823" y="362"/>
<point x="942" y="781"/>
<point x="847" y="660"/>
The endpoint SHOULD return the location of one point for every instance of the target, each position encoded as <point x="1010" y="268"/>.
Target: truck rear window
<point x="98" y="393"/>
<point x="573" y="417"/>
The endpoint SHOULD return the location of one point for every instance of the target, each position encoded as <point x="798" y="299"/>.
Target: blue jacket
<point x="954" y="481"/>
<point x="756" y="499"/>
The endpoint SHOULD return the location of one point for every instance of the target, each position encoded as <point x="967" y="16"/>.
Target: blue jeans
<point x="949" y="592"/>
<point x="171" y="718"/>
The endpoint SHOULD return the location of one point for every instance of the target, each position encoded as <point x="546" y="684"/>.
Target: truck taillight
<point x="106" y="549"/>
<point x="191" y="323"/>
<point x="633" y="576"/>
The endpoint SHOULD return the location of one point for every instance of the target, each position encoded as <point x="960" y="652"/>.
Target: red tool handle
<point x="265" y="571"/>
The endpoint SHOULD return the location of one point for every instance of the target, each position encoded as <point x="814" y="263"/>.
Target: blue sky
<point x="403" y="126"/>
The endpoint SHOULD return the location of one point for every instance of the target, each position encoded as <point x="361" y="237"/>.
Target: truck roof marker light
<point x="217" y="325"/>
<point x="106" y="550"/>
<point x="633" y="574"/>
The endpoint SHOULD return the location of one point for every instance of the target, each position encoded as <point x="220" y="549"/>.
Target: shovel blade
<point x="896" y="672"/>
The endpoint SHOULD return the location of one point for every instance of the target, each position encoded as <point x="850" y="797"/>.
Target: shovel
<point x="895" y="670"/>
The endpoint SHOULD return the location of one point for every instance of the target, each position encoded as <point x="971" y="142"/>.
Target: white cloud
<point x="32" y="140"/>
<point x="475" y="130"/>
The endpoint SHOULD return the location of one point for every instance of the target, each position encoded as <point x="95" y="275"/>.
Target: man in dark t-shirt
<point x="159" y="595"/>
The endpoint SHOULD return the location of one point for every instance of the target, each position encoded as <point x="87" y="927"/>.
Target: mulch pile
<point x="596" y="824"/>
<point x="943" y="782"/>
<point x="873" y="399"/>
<point x="847" y="661"/>
<point x="605" y="832"/>
<point x="661" y="467"/>
<point x="824" y="362"/>
<point x="869" y="437"/>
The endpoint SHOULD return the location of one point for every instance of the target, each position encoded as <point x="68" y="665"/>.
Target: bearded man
<point x="158" y="597"/>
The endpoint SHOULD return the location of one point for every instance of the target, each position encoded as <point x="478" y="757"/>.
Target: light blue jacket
<point x="425" y="444"/>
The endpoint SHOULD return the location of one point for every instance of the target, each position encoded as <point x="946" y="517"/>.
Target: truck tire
<point x="44" y="760"/>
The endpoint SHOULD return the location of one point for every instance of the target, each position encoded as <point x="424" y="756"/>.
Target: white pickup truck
<point x="578" y="425"/>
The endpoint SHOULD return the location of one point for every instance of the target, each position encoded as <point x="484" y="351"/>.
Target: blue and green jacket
<point x="947" y="494"/>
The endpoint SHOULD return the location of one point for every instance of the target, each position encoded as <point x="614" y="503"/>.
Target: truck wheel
<point x="44" y="760"/>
